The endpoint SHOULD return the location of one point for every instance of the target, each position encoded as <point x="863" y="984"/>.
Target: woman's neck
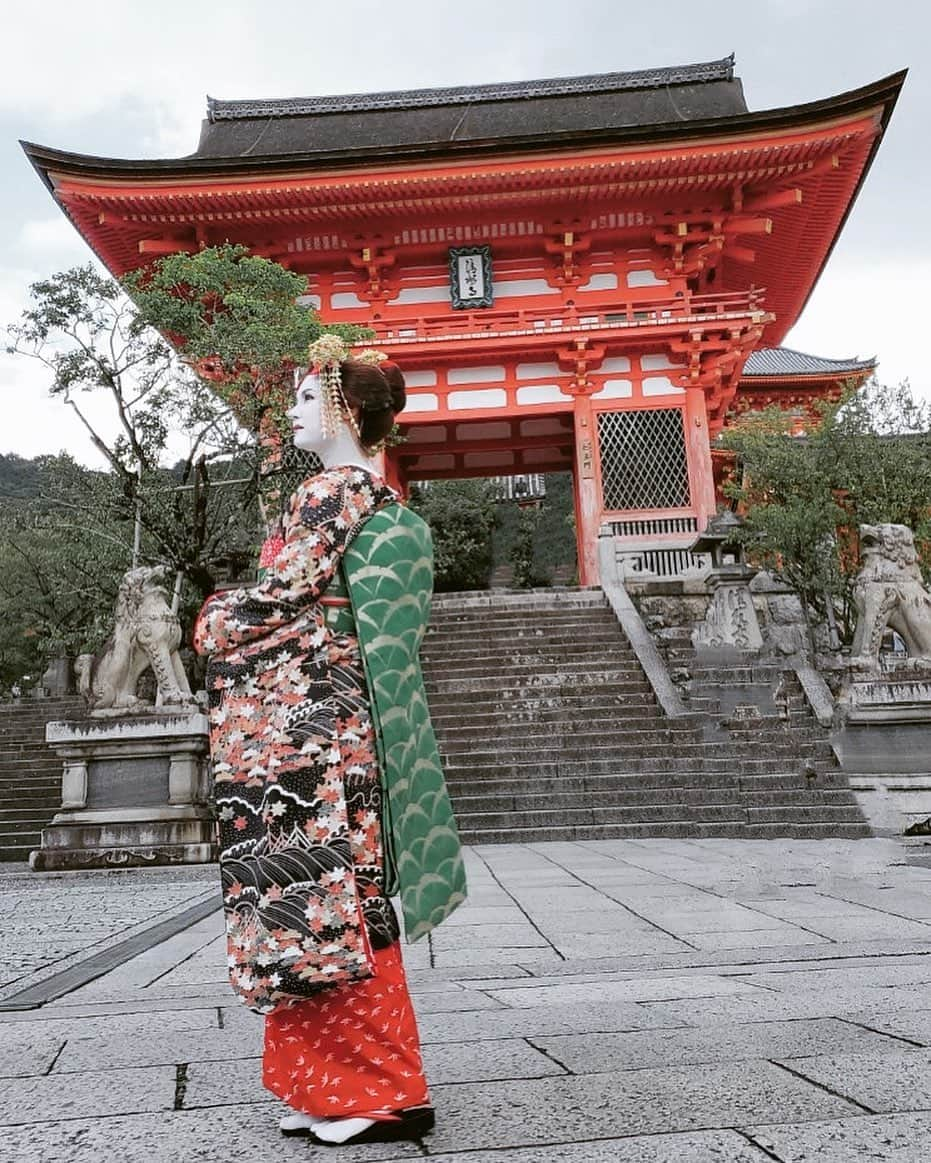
<point x="344" y="449"/>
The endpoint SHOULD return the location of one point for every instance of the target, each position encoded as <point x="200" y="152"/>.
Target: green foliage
<point x="527" y="573"/>
<point x="869" y="461"/>
<point x="236" y="317"/>
<point x="461" y="515"/>
<point x="58" y="581"/>
<point x="93" y="341"/>
<point x="551" y="542"/>
<point x="19" y="478"/>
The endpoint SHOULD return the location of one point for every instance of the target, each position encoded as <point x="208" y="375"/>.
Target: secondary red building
<point x="572" y="272"/>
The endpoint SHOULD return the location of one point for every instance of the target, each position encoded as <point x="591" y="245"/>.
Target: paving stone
<point x="107" y="1053"/>
<point x="912" y="1024"/>
<point x="452" y="1002"/>
<point x="582" y="1018"/>
<point x="807" y="905"/>
<point x="202" y="1136"/>
<point x="134" y="1026"/>
<point x="468" y="915"/>
<point x="707" y="920"/>
<point x="702" y="1147"/>
<point x="893" y="1082"/>
<point x="634" y="1102"/>
<point x="632" y="943"/>
<point x="31" y="1100"/>
<point x="481" y="1061"/>
<point x="767" y="1006"/>
<point x="885" y="1139"/>
<point x="865" y="928"/>
<point x="850" y="977"/>
<point x="591" y="1053"/>
<point x="521" y="936"/>
<point x="634" y="989"/>
<point x="453" y="958"/>
<point x="28" y="1054"/>
<point x="753" y="938"/>
<point x="228" y="1085"/>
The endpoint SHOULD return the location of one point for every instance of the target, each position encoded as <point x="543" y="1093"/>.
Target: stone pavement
<point x="649" y="1001"/>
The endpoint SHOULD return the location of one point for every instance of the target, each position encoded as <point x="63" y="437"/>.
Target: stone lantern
<point x="730" y="622"/>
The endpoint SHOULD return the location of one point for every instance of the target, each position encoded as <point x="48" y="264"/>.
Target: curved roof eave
<point x="883" y="92"/>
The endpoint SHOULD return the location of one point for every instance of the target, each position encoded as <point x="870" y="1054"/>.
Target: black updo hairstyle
<point x="377" y="391"/>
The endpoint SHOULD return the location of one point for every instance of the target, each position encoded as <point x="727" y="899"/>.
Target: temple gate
<point x="570" y="272"/>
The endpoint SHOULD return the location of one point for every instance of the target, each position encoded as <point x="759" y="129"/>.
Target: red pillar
<point x="587" y="494"/>
<point x="698" y="447"/>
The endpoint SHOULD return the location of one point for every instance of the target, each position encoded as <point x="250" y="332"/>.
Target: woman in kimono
<point x="329" y="792"/>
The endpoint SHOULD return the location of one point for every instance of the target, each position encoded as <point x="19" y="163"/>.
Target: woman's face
<point x="306" y="416"/>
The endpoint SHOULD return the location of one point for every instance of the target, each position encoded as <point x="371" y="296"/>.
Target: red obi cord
<point x="351" y="1051"/>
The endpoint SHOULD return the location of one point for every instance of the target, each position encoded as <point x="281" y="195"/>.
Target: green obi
<point x="388" y="569"/>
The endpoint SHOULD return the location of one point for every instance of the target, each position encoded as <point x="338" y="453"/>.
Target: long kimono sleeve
<point x="326" y="513"/>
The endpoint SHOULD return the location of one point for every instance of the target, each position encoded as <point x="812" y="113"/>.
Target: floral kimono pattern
<point x="294" y="761"/>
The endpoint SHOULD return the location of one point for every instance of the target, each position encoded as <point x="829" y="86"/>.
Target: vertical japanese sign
<point x="470" y="277"/>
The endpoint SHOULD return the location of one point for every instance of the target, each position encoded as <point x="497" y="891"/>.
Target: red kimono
<point x="298" y="787"/>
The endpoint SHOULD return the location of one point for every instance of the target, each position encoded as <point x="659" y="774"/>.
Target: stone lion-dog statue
<point x="146" y="633"/>
<point x="889" y="592"/>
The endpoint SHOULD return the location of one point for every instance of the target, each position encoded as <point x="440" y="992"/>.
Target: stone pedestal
<point x="731" y="621"/>
<point x="883" y="745"/>
<point x="135" y="791"/>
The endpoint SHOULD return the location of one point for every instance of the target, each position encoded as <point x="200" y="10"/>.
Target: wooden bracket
<point x="578" y="359"/>
<point x="568" y="249"/>
<point x="375" y="265"/>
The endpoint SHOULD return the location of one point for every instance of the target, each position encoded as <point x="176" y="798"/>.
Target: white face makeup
<point x="307" y="415"/>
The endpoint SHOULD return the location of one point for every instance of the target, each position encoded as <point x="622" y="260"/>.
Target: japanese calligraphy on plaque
<point x="470" y="277"/>
<point x="587" y="458"/>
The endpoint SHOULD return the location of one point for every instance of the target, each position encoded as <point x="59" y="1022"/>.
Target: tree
<point x="240" y="320"/>
<point x="93" y="341"/>
<point x="58" y="581"/>
<point x="867" y="461"/>
<point x="462" y="516"/>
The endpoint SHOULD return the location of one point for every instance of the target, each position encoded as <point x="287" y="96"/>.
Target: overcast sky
<point x="130" y="80"/>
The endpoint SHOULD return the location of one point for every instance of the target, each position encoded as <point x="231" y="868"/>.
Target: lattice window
<point x="643" y="459"/>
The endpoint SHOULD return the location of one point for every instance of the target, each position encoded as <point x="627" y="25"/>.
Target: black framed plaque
<point x="470" y="277"/>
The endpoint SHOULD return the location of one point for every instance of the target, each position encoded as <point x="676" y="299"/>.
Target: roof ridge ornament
<point x="700" y="73"/>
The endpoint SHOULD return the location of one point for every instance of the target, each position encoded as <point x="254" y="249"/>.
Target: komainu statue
<point x="145" y="634"/>
<point x="889" y="592"/>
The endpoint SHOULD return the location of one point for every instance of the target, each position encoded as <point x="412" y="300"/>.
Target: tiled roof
<point x="783" y="361"/>
<point x="723" y="70"/>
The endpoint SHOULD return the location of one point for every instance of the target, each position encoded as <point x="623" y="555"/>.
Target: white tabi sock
<point x="300" y="1122"/>
<point x="339" y="1130"/>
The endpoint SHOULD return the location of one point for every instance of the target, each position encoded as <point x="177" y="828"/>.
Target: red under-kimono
<point x="294" y="761"/>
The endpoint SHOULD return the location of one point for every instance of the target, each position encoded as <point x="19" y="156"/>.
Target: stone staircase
<point x="30" y="774"/>
<point x="549" y="730"/>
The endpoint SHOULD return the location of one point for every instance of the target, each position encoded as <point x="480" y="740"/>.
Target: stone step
<point x="466" y="805"/>
<point x="511" y="718"/>
<point x="598" y="748"/>
<point x="732" y="829"/>
<point x="687" y="829"/>
<point x="566" y="684"/>
<point x="538" y="653"/>
<point x="573" y="817"/>
<point x="640" y="766"/>
<point x="506" y="799"/>
<point x="621" y="783"/>
<point x="555" y="695"/>
<point x="578" y="742"/>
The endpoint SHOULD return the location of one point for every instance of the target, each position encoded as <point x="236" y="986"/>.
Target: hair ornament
<point x="370" y="356"/>
<point x="324" y="356"/>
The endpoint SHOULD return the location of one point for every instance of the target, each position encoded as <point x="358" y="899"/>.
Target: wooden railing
<point x="491" y="323"/>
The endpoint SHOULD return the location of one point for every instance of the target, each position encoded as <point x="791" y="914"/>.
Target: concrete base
<point x="894" y="804"/>
<point x="135" y="792"/>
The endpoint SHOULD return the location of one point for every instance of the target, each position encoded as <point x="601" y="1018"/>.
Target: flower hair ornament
<point x="324" y="357"/>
